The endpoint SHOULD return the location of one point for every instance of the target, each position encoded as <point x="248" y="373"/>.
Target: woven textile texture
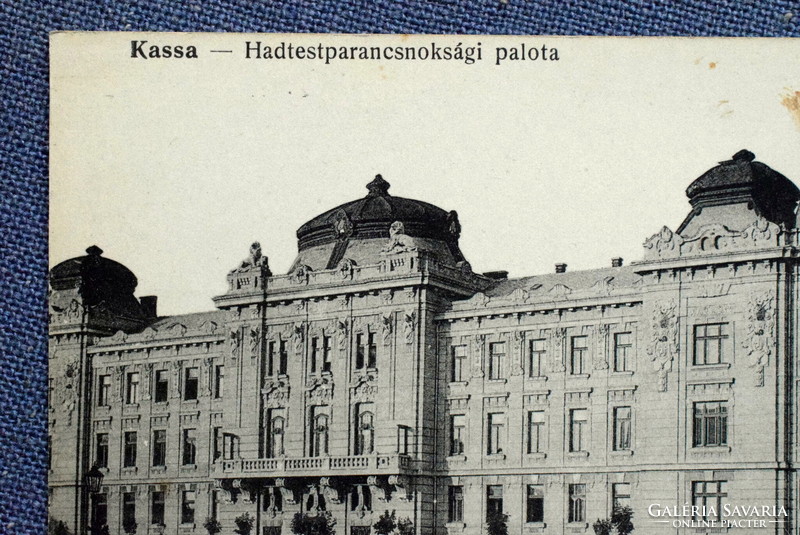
<point x="23" y="249"/>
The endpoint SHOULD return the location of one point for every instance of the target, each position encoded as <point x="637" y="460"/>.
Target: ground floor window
<point x="494" y="500"/>
<point x="535" y="504"/>
<point x="455" y="501"/>
<point x="577" y="503"/>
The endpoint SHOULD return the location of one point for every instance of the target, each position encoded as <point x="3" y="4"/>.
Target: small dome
<point x="371" y="217"/>
<point x="92" y="270"/>
<point x="741" y="179"/>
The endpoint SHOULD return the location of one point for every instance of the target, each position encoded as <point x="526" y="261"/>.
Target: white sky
<point x="174" y="167"/>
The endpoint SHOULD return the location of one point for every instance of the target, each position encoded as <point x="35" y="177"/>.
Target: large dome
<point x="325" y="240"/>
<point x="92" y="271"/>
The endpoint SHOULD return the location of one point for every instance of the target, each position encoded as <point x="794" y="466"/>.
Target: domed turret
<point x="359" y="229"/>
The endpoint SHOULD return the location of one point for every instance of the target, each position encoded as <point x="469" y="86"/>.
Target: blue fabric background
<point x="23" y="117"/>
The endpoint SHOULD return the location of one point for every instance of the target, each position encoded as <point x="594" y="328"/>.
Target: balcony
<point x="318" y="466"/>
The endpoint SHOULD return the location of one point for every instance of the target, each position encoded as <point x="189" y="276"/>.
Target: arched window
<point x="365" y="434"/>
<point x="319" y="433"/>
<point x="276" y="434"/>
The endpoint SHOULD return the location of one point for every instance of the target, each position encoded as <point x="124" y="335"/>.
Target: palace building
<point x="382" y="373"/>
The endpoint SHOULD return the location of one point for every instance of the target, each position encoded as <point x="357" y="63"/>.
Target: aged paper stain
<point x="712" y="65"/>
<point x="791" y="101"/>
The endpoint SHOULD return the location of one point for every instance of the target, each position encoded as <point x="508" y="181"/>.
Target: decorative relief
<point x="536" y="398"/>
<point x="255" y="340"/>
<point x="208" y="374"/>
<point x="663" y="342"/>
<point x="603" y="286"/>
<point x="366" y="388"/>
<point x="147" y="373"/>
<point x="177" y="366"/>
<point x="341" y="328"/>
<point x="234" y="342"/>
<point x="479" y="344"/>
<point x="72" y="312"/>
<point x="411" y="294"/>
<point x="577" y="396"/>
<point x="342" y="225"/>
<point x="347" y="268"/>
<point x="254" y="259"/>
<point x="518" y="366"/>
<point x="387" y="296"/>
<point x="342" y="302"/>
<point x="714" y="289"/>
<point x="714" y="388"/>
<point x="559" y="349"/>
<point x="190" y="418"/>
<point x="601" y="355"/>
<point x="560" y="290"/>
<point x="119" y="337"/>
<point x="663" y="244"/>
<point x="399" y="241"/>
<point x="409" y="326"/>
<point x="65" y="389"/>
<point x="176" y="330"/>
<point x="496" y="401"/>
<point x="759" y="339"/>
<point x="319" y="389"/>
<point x="621" y="394"/>
<point x="387" y="321"/>
<point x="298" y="337"/>
<point x="479" y="300"/>
<point x="301" y="274"/>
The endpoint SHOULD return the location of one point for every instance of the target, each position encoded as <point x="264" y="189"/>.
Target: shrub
<point x="497" y="524"/>
<point x="212" y="526"/>
<point x="320" y="524"/>
<point x="244" y="524"/>
<point x="385" y="524"/>
<point x="405" y="526"/>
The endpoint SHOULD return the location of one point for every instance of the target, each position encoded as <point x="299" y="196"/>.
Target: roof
<point x="93" y="270"/>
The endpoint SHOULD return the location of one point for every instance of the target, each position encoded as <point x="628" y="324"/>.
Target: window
<point x="321" y="354"/>
<point x="190" y="384"/>
<point x="277" y="358"/>
<point x="622" y="352"/>
<point x="219" y="381"/>
<point x="99" y="509"/>
<point x="578" y="429"/>
<point x="536" y="435"/>
<point x="710" y="424"/>
<point x="458" y="433"/>
<point x="104" y="391"/>
<point x="579" y="349"/>
<point x="403" y="439"/>
<point x="229" y="445"/>
<point x="277" y="424"/>
<point x="622" y="428"/>
<point x="187" y="507"/>
<point x="365" y="432"/>
<point x="129" y="453"/>
<point x="707" y="496"/>
<point x="458" y="357"/>
<point x="162" y="386"/>
<point x="319" y="431"/>
<point x="536" y="358"/>
<point x="366" y="351"/>
<point x="128" y="509"/>
<point x="496" y="424"/>
<point x="159" y="447"/>
<point x="535" y="504"/>
<point x="620" y="495"/>
<point x="577" y="503"/>
<point x="101" y="453"/>
<point x="132" y="388"/>
<point x="157" y="507"/>
<point x="455" y="503"/>
<point x="189" y="456"/>
<point x="497" y="357"/>
<point x="216" y="439"/>
<point x="494" y="500"/>
<point x="710" y="343"/>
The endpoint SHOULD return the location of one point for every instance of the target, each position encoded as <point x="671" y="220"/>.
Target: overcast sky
<point x="173" y="167"/>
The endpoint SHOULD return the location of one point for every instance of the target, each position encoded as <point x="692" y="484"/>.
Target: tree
<point x="621" y="522"/>
<point x="385" y="524"/>
<point x="405" y="526"/>
<point x="57" y="527"/>
<point x="319" y="524"/>
<point x="212" y="526"/>
<point x="497" y="523"/>
<point x="244" y="524"/>
<point x="602" y="527"/>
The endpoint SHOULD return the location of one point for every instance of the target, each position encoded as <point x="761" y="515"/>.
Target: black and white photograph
<point x="423" y="285"/>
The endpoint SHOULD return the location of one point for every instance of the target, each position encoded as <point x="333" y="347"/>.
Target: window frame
<point x="579" y="430"/>
<point x="541" y="358"/>
<point x="722" y="339"/>
<point x="455" y="503"/>
<point x="458" y="363"/>
<point x="624" y="352"/>
<point x="704" y="419"/>
<point x="497" y="360"/>
<point x="618" y="430"/>
<point x="578" y="354"/>
<point x="129" y="449"/>
<point x="530" y="500"/>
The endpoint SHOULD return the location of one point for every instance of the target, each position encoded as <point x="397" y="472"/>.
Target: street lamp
<point x="91" y="485"/>
<point x="93" y="480"/>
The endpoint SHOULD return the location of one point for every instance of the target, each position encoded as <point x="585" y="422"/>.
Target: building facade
<point x="382" y="373"/>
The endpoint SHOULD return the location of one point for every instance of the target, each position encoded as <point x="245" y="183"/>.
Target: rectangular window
<point x="104" y="390"/>
<point x="275" y="432"/>
<point x="577" y="503"/>
<point x="162" y="386"/>
<point x="190" y="384"/>
<point x="366" y="351"/>
<point x="319" y="431"/>
<point x="536" y="431"/>
<point x="187" y="507"/>
<point x="536" y="358"/>
<point x="157" y="507"/>
<point x="159" y="447"/>
<point x="708" y="497"/>
<point x="403" y="439"/>
<point x="372" y="352"/>
<point x="216" y="440"/>
<point x="365" y="429"/>
<point x="458" y="433"/>
<point x="496" y="432"/>
<point x="535" y="504"/>
<point x="132" y="388"/>
<point x="622" y="352"/>
<point x="99" y="509"/>
<point x="326" y="354"/>
<point x="622" y="428"/>
<point x="129" y="453"/>
<point x="621" y="495"/>
<point x="228" y="446"/>
<point x="578" y="352"/>
<point x="497" y="357"/>
<point x="315" y="354"/>
<point x="458" y="357"/>
<point x="578" y="429"/>
<point x="101" y="453"/>
<point x="710" y="424"/>
<point x="455" y="503"/>
<point x="321" y="354"/>
<point x="219" y="381"/>
<point x="189" y="456"/>
<point x="710" y="344"/>
<point x="128" y="509"/>
<point x="494" y="500"/>
<point x="277" y="358"/>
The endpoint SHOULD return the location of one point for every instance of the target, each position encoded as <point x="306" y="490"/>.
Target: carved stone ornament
<point x="255" y="340"/>
<point x="399" y="241"/>
<point x="177" y="368"/>
<point x="342" y="302"/>
<point x="518" y="366"/>
<point x="479" y="343"/>
<point x="71" y="312"/>
<point x="453" y="225"/>
<point x="275" y="393"/>
<point x="342" y="226"/>
<point x="601" y="355"/>
<point x="387" y="322"/>
<point x="298" y="337"/>
<point x="402" y="486"/>
<point x="65" y="390"/>
<point x="409" y="326"/>
<point x="234" y="342"/>
<point x="365" y="389"/>
<point x="346" y="268"/>
<point x="663" y="244"/>
<point x="208" y="374"/>
<point x="662" y="346"/>
<point x="301" y="274"/>
<point x="759" y="340"/>
<point x="254" y="259"/>
<point x="147" y="373"/>
<point x="119" y="377"/>
<point x="341" y="327"/>
<point x="560" y="337"/>
<point x="319" y="389"/>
